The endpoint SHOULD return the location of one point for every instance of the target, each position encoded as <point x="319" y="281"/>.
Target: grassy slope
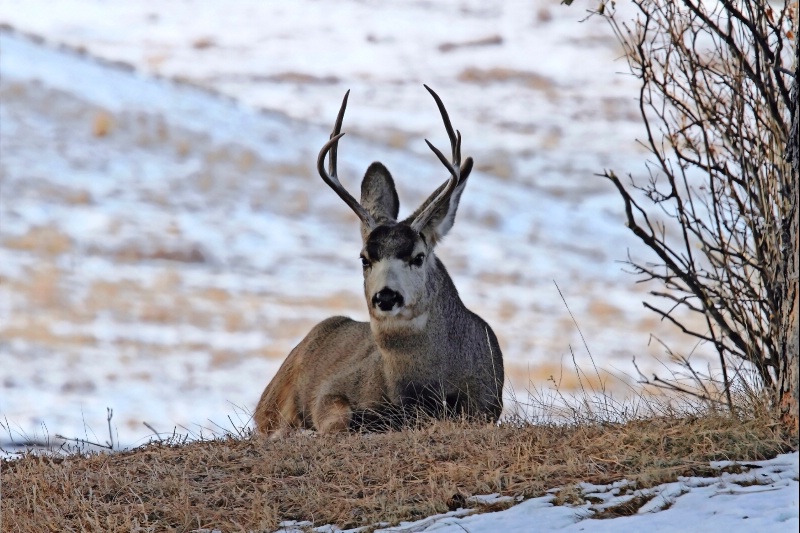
<point x="352" y="480"/>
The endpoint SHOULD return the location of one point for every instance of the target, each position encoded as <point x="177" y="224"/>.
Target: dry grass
<point x="531" y="80"/>
<point x="251" y="484"/>
<point x="43" y="240"/>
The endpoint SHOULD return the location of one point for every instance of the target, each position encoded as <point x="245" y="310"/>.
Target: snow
<point x="764" y="498"/>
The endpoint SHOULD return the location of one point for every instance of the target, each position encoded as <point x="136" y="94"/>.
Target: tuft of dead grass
<point x="531" y="80"/>
<point x="43" y="240"/>
<point x="627" y="508"/>
<point x="250" y="483"/>
<point x="102" y="123"/>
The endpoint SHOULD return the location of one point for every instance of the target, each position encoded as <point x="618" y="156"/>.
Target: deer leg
<point x="381" y="418"/>
<point x="332" y="414"/>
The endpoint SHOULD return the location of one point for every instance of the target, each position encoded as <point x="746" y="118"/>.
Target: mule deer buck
<point x="422" y="352"/>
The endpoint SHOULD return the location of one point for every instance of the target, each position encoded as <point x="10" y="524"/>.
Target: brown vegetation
<point x="252" y="484"/>
<point x="718" y="202"/>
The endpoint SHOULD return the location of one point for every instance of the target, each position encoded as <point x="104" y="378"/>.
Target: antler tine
<point x="454" y="167"/>
<point x="331" y="177"/>
<point x="454" y="170"/>
<point x="448" y="126"/>
<point x="337" y="127"/>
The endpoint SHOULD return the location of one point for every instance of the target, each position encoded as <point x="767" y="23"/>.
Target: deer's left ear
<point x="442" y="219"/>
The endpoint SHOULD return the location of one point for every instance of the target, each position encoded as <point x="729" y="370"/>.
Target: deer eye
<point x="365" y="262"/>
<point x="418" y="259"/>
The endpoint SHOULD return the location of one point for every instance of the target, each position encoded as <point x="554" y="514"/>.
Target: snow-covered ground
<point x="765" y="497"/>
<point x="164" y="245"/>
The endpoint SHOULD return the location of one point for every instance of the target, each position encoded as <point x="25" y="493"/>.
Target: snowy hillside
<point x="164" y="246"/>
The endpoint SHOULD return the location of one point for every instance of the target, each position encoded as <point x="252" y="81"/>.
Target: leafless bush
<point x="717" y="203"/>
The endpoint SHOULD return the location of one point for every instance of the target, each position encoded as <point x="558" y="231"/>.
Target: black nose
<point x="385" y="299"/>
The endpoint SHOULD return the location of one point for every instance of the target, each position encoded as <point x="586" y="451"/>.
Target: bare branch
<point x="714" y="102"/>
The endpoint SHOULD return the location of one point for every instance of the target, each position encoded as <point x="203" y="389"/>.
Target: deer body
<point x="422" y="351"/>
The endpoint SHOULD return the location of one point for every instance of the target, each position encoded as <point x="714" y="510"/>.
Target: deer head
<point x="397" y="256"/>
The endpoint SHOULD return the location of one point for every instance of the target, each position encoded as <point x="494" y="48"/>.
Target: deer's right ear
<point x="378" y="194"/>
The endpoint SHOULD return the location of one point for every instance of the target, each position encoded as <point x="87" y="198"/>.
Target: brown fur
<point x="310" y="381"/>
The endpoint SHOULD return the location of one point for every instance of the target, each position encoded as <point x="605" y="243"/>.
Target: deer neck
<point x="414" y="348"/>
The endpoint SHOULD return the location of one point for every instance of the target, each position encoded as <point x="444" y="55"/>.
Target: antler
<point x="454" y="167"/>
<point x="331" y="178"/>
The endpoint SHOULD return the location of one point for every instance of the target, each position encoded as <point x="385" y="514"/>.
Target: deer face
<point x="395" y="263"/>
